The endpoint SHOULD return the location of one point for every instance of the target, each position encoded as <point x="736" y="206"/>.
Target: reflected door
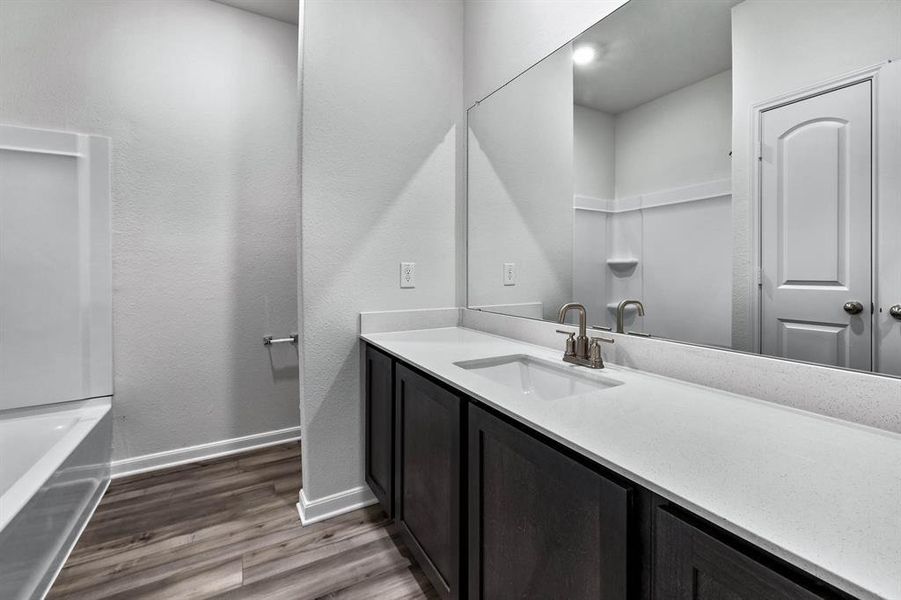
<point x="816" y="302"/>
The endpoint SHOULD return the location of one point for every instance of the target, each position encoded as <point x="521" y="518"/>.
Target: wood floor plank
<point x="100" y="580"/>
<point x="188" y="586"/>
<point x="125" y="533"/>
<point x="273" y="561"/>
<point x="321" y="577"/>
<point x="405" y="583"/>
<point x="229" y="528"/>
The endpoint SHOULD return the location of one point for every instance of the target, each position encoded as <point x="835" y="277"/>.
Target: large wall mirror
<point x="732" y="166"/>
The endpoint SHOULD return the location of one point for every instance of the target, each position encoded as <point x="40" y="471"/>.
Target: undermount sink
<point x="531" y="376"/>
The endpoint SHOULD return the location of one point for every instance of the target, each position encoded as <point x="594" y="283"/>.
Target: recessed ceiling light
<point x="584" y="55"/>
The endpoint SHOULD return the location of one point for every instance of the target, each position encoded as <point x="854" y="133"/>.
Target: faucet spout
<point x="582" y="315"/>
<point x="581" y="345"/>
<point x="621" y="309"/>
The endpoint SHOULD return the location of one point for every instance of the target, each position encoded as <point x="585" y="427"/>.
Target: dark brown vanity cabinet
<point x="490" y="508"/>
<point x="694" y="564"/>
<point x="379" y="378"/>
<point x="541" y="525"/>
<point x="428" y="492"/>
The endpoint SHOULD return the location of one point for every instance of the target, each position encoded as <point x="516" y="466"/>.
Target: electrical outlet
<point x="509" y="275"/>
<point x="408" y="275"/>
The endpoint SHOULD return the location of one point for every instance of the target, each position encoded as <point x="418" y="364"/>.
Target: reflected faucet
<point x="622" y="309"/>
<point x="578" y="349"/>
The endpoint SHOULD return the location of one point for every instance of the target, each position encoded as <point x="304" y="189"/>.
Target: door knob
<point x="853" y="308"/>
<point x="895" y="311"/>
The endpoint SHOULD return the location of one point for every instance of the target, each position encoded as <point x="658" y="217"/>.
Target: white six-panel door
<point x="55" y="289"/>
<point x="815" y="228"/>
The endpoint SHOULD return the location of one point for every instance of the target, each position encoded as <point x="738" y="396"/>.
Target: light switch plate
<point x="408" y="275"/>
<point x="509" y="275"/>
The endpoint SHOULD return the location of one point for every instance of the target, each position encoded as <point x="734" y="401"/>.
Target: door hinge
<point x="759" y="277"/>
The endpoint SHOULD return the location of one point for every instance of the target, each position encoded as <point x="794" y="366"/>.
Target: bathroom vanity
<point x="512" y="474"/>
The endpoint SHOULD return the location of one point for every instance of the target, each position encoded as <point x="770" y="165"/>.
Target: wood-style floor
<point x="228" y="528"/>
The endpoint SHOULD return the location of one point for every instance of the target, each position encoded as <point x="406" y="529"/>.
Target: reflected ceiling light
<point x="584" y="55"/>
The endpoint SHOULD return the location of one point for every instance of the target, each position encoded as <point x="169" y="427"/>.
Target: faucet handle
<point x="570" y="342"/>
<point x="594" y="352"/>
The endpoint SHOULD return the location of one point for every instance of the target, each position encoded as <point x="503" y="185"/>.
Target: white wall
<point x="777" y="48"/>
<point x="199" y="100"/>
<point x="503" y="38"/>
<point x="520" y="189"/>
<point x="382" y="111"/>
<point x="665" y="149"/>
<point x="678" y="139"/>
<point x="594" y="153"/>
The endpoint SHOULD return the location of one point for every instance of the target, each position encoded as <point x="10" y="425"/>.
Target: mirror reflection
<point x="719" y="172"/>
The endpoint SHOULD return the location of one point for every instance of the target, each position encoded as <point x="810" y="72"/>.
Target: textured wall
<point x="382" y="102"/>
<point x="199" y="100"/>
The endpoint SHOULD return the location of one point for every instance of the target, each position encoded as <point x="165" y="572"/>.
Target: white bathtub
<point x="54" y="468"/>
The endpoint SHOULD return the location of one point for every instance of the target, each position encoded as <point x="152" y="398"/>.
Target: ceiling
<point x="649" y="48"/>
<point x="280" y="10"/>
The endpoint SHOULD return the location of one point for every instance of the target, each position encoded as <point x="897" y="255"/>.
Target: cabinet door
<point x="428" y="477"/>
<point x="693" y="565"/>
<point x="380" y="426"/>
<point x="541" y="525"/>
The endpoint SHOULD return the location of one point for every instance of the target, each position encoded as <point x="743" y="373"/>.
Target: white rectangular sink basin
<point x="531" y="376"/>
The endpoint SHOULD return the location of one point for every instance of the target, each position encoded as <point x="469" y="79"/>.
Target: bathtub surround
<point x="382" y="124"/>
<point x="55" y="267"/>
<point x="643" y="177"/>
<point x="198" y="99"/>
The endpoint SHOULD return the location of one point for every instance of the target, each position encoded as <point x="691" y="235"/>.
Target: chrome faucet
<point x="622" y="309"/>
<point x="581" y="350"/>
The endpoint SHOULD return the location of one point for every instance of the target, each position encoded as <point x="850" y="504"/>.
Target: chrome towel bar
<point x="268" y="340"/>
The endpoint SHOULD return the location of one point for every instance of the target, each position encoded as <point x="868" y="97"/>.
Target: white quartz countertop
<point x="823" y="494"/>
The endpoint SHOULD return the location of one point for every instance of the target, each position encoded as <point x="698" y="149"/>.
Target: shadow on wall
<point x="332" y="398"/>
<point x="382" y="85"/>
<point x="521" y="190"/>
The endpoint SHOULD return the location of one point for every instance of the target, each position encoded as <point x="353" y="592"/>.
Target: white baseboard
<point x="180" y="456"/>
<point x="334" y="505"/>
